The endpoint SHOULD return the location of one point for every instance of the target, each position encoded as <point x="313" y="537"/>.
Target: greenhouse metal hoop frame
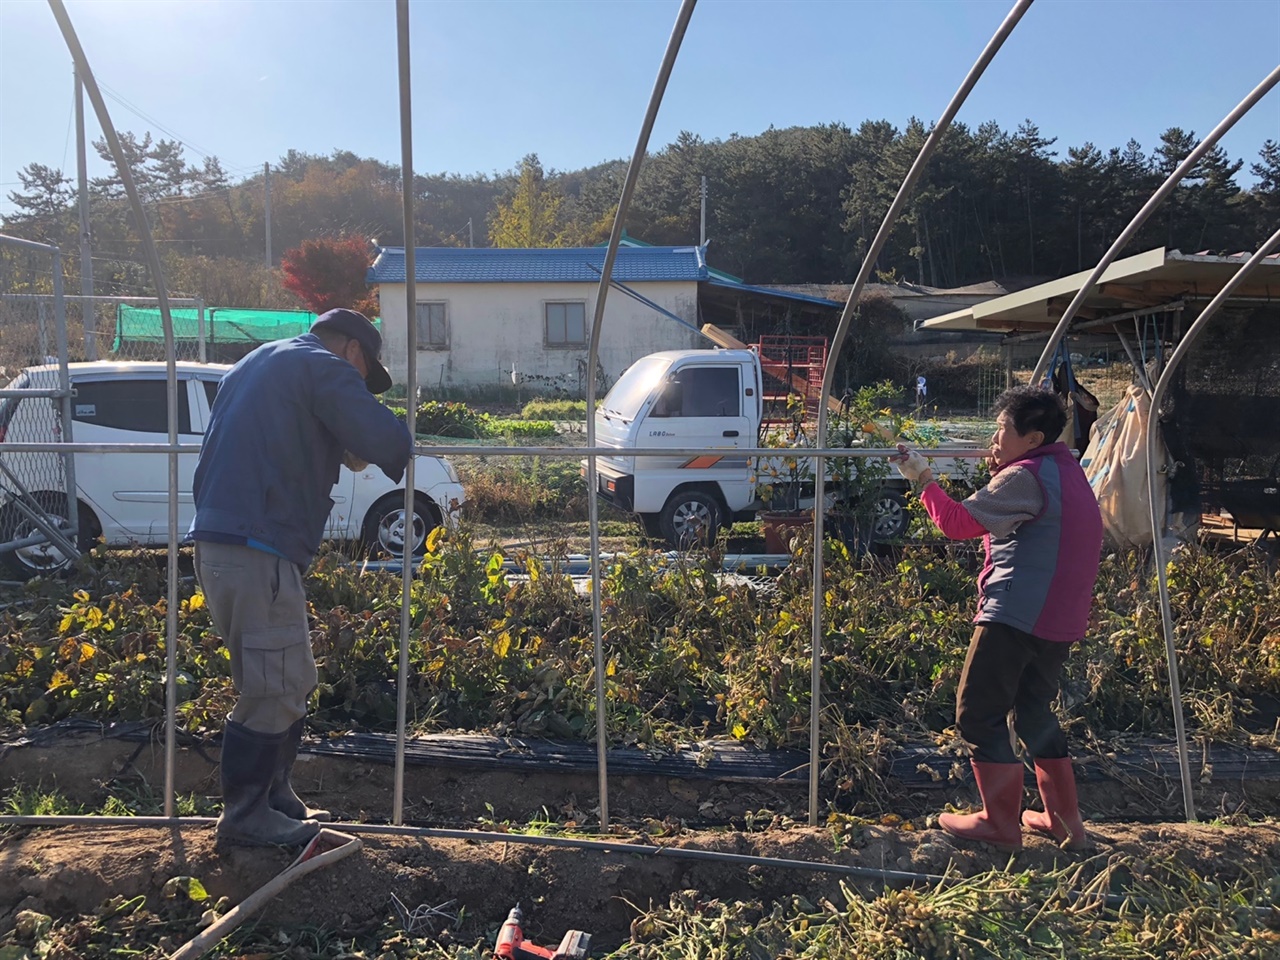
<point x="819" y="453"/>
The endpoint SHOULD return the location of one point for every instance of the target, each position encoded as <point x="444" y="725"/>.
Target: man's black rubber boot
<point x="248" y="765"/>
<point x="283" y="797"/>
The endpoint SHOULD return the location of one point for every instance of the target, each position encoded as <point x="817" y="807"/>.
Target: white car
<point x="123" y="497"/>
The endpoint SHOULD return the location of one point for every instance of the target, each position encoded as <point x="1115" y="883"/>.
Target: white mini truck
<point x="702" y="399"/>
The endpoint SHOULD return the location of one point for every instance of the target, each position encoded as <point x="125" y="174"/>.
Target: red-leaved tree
<point x="330" y="272"/>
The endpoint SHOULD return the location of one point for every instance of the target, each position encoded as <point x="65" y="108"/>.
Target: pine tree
<point x="530" y="216"/>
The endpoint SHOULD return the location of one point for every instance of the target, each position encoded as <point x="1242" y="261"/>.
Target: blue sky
<point x="569" y="79"/>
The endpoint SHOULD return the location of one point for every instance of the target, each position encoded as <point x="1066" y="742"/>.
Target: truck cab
<point x="679" y="399"/>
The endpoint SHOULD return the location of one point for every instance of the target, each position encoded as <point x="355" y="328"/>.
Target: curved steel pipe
<point x="593" y="356"/>
<point x="171" y="373"/>
<point x="1243" y="107"/>
<point x="1158" y="511"/>
<point x="837" y="343"/>
<point x="411" y="388"/>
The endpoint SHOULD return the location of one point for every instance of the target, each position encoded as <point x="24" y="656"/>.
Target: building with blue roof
<point x="490" y="316"/>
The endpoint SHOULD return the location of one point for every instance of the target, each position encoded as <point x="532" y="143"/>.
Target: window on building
<point x="566" y="324"/>
<point x="433" y="327"/>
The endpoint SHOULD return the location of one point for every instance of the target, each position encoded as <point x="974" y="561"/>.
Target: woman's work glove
<point x="910" y="463"/>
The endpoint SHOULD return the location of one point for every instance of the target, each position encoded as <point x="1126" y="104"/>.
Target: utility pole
<point x="702" y="237"/>
<point x="471" y="239"/>
<point x="87" y="313"/>
<point x="266" y="183"/>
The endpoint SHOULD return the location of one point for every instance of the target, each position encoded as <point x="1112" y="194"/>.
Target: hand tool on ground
<point x="512" y="945"/>
<point x="326" y="847"/>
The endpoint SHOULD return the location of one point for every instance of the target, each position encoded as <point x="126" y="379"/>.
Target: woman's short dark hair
<point x="1033" y="408"/>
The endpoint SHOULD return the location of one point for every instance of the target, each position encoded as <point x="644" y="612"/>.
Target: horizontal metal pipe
<point x="31" y="541"/>
<point x="934" y="453"/>
<point x="81" y="296"/>
<point x="903" y="877"/>
<point x="51" y="394"/>
<point x="485" y="836"/>
<point x="8" y="241"/>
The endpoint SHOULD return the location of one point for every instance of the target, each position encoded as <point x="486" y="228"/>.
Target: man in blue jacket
<point x="285" y="419"/>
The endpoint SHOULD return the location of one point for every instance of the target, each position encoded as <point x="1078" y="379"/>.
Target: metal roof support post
<point x="1158" y="509"/>
<point x="1157" y="198"/>
<point x="819" y="476"/>
<point x="171" y="373"/>
<point x="411" y="404"/>
<point x="593" y="358"/>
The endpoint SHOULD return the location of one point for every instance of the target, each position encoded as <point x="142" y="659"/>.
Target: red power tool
<point x="512" y="945"/>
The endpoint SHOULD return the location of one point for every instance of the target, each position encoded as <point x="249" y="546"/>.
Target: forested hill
<point x="789" y="205"/>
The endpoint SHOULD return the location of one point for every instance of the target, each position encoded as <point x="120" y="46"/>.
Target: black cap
<point x="358" y="327"/>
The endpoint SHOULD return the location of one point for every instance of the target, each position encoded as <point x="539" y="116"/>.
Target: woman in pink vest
<point x="1042" y="531"/>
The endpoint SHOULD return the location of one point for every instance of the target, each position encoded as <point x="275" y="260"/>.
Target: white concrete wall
<point x="493" y="325"/>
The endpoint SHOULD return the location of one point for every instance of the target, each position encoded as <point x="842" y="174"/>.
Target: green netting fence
<point x="225" y="325"/>
<point x="221" y="325"/>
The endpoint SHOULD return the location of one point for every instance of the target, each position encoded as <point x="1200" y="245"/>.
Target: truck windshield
<point x="634" y="387"/>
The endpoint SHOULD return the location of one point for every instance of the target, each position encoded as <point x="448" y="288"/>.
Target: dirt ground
<point x="70" y="870"/>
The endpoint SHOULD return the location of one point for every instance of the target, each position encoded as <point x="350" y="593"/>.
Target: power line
<point x="66" y="145"/>
<point x="151" y="120"/>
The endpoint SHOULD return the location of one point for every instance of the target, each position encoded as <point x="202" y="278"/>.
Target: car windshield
<point x="634" y="387"/>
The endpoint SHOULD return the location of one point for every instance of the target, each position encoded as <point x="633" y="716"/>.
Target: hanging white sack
<point x="1116" y="464"/>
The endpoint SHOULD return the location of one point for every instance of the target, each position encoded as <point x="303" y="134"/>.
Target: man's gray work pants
<point x="259" y="607"/>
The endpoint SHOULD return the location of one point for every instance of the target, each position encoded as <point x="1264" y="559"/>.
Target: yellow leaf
<point x="60" y="679"/>
<point x="434" y="538"/>
<point x="197" y="601"/>
<point x="739" y="731"/>
<point x="82" y="596"/>
<point x="502" y="645"/>
<point x="92" y="617"/>
<point x="87" y="650"/>
<point x="68" y="622"/>
<point x="611" y="668"/>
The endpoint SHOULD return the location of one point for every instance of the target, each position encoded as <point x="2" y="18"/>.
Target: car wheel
<point x="892" y="516"/>
<point x="41" y="558"/>
<point x="386" y="529"/>
<point x="690" y="517"/>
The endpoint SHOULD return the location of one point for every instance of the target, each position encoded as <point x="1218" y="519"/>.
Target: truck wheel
<point x="652" y="523"/>
<point x="690" y="517"/>
<point x="892" y="516"/>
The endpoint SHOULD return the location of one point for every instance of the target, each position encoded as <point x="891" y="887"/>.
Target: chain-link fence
<point x="93" y="330"/>
<point x="37" y="503"/>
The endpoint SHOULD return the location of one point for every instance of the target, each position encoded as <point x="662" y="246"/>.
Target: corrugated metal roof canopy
<point x="553" y="265"/>
<point x="1146" y="280"/>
